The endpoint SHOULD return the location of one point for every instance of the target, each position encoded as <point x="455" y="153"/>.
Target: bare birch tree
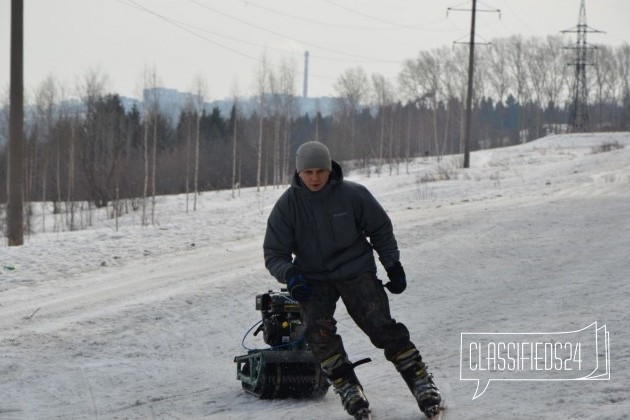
<point x="519" y="79"/>
<point x="261" y="86"/>
<point x="352" y="89"/>
<point x="603" y="73"/>
<point x="188" y="115"/>
<point x="421" y="78"/>
<point x="151" y="108"/>
<point x="93" y="149"/>
<point x="63" y="121"/>
<point x="276" y="110"/>
<point x="45" y="98"/>
<point x="234" y="119"/>
<point x="199" y="97"/>
<point x="455" y="81"/>
<point x="536" y="62"/>
<point x="282" y="90"/>
<point x="557" y="70"/>
<point x="622" y="55"/>
<point x="495" y="58"/>
<point x="384" y="97"/>
<point x="289" y="106"/>
<point x="70" y="201"/>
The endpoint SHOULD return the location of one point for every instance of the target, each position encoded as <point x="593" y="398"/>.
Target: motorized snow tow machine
<point x="287" y="369"/>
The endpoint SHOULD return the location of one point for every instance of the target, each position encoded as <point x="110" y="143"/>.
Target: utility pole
<point x="471" y="71"/>
<point x="469" y="92"/>
<point x="15" y="201"/>
<point x="578" y="112"/>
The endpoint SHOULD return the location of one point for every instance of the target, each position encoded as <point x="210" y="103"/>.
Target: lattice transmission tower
<point x="578" y="110"/>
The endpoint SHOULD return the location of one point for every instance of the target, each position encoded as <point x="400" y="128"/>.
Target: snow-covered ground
<point x="144" y="322"/>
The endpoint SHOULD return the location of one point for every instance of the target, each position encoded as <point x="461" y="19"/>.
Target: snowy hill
<point x="144" y="322"/>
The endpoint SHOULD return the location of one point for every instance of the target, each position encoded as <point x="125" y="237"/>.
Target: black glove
<point x="298" y="286"/>
<point x="397" y="279"/>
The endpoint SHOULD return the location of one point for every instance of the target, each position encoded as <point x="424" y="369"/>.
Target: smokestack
<point x="305" y="89"/>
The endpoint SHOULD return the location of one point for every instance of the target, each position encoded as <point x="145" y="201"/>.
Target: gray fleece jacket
<point x="327" y="231"/>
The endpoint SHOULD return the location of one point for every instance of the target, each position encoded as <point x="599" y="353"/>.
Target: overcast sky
<point x="222" y="41"/>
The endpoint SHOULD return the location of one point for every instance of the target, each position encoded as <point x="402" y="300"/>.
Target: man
<point x="324" y="221"/>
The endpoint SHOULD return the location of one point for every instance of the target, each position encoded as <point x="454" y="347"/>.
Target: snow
<point x="144" y="322"/>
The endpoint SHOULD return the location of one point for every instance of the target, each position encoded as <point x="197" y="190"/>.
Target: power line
<point x="191" y="28"/>
<point x="187" y="28"/>
<point x="318" y="22"/>
<point x="372" y="59"/>
<point x="393" y="25"/>
<point x="198" y="32"/>
<point x="357" y="12"/>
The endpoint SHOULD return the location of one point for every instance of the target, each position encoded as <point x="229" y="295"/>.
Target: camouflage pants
<point x="367" y="304"/>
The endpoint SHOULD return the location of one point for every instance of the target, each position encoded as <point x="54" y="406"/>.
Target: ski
<point x="436" y="413"/>
<point x="363" y="414"/>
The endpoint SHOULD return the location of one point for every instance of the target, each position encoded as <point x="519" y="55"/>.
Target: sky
<point x="222" y="43"/>
<point x="144" y="322"/>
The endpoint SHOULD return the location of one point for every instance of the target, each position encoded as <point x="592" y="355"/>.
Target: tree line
<point x="92" y="149"/>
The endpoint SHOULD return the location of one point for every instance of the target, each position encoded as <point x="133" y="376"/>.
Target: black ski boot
<point x="340" y="373"/>
<point x="420" y="382"/>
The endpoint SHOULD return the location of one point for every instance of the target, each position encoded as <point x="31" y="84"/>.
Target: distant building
<point x="172" y="101"/>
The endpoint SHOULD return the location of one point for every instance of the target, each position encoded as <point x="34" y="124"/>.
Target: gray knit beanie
<point x="313" y="154"/>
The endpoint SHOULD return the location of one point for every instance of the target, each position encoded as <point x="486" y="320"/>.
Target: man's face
<point x="314" y="178"/>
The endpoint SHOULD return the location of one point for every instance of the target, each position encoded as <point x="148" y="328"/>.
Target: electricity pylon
<point x="578" y="111"/>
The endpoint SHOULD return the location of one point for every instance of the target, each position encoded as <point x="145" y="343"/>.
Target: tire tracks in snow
<point x="58" y="303"/>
